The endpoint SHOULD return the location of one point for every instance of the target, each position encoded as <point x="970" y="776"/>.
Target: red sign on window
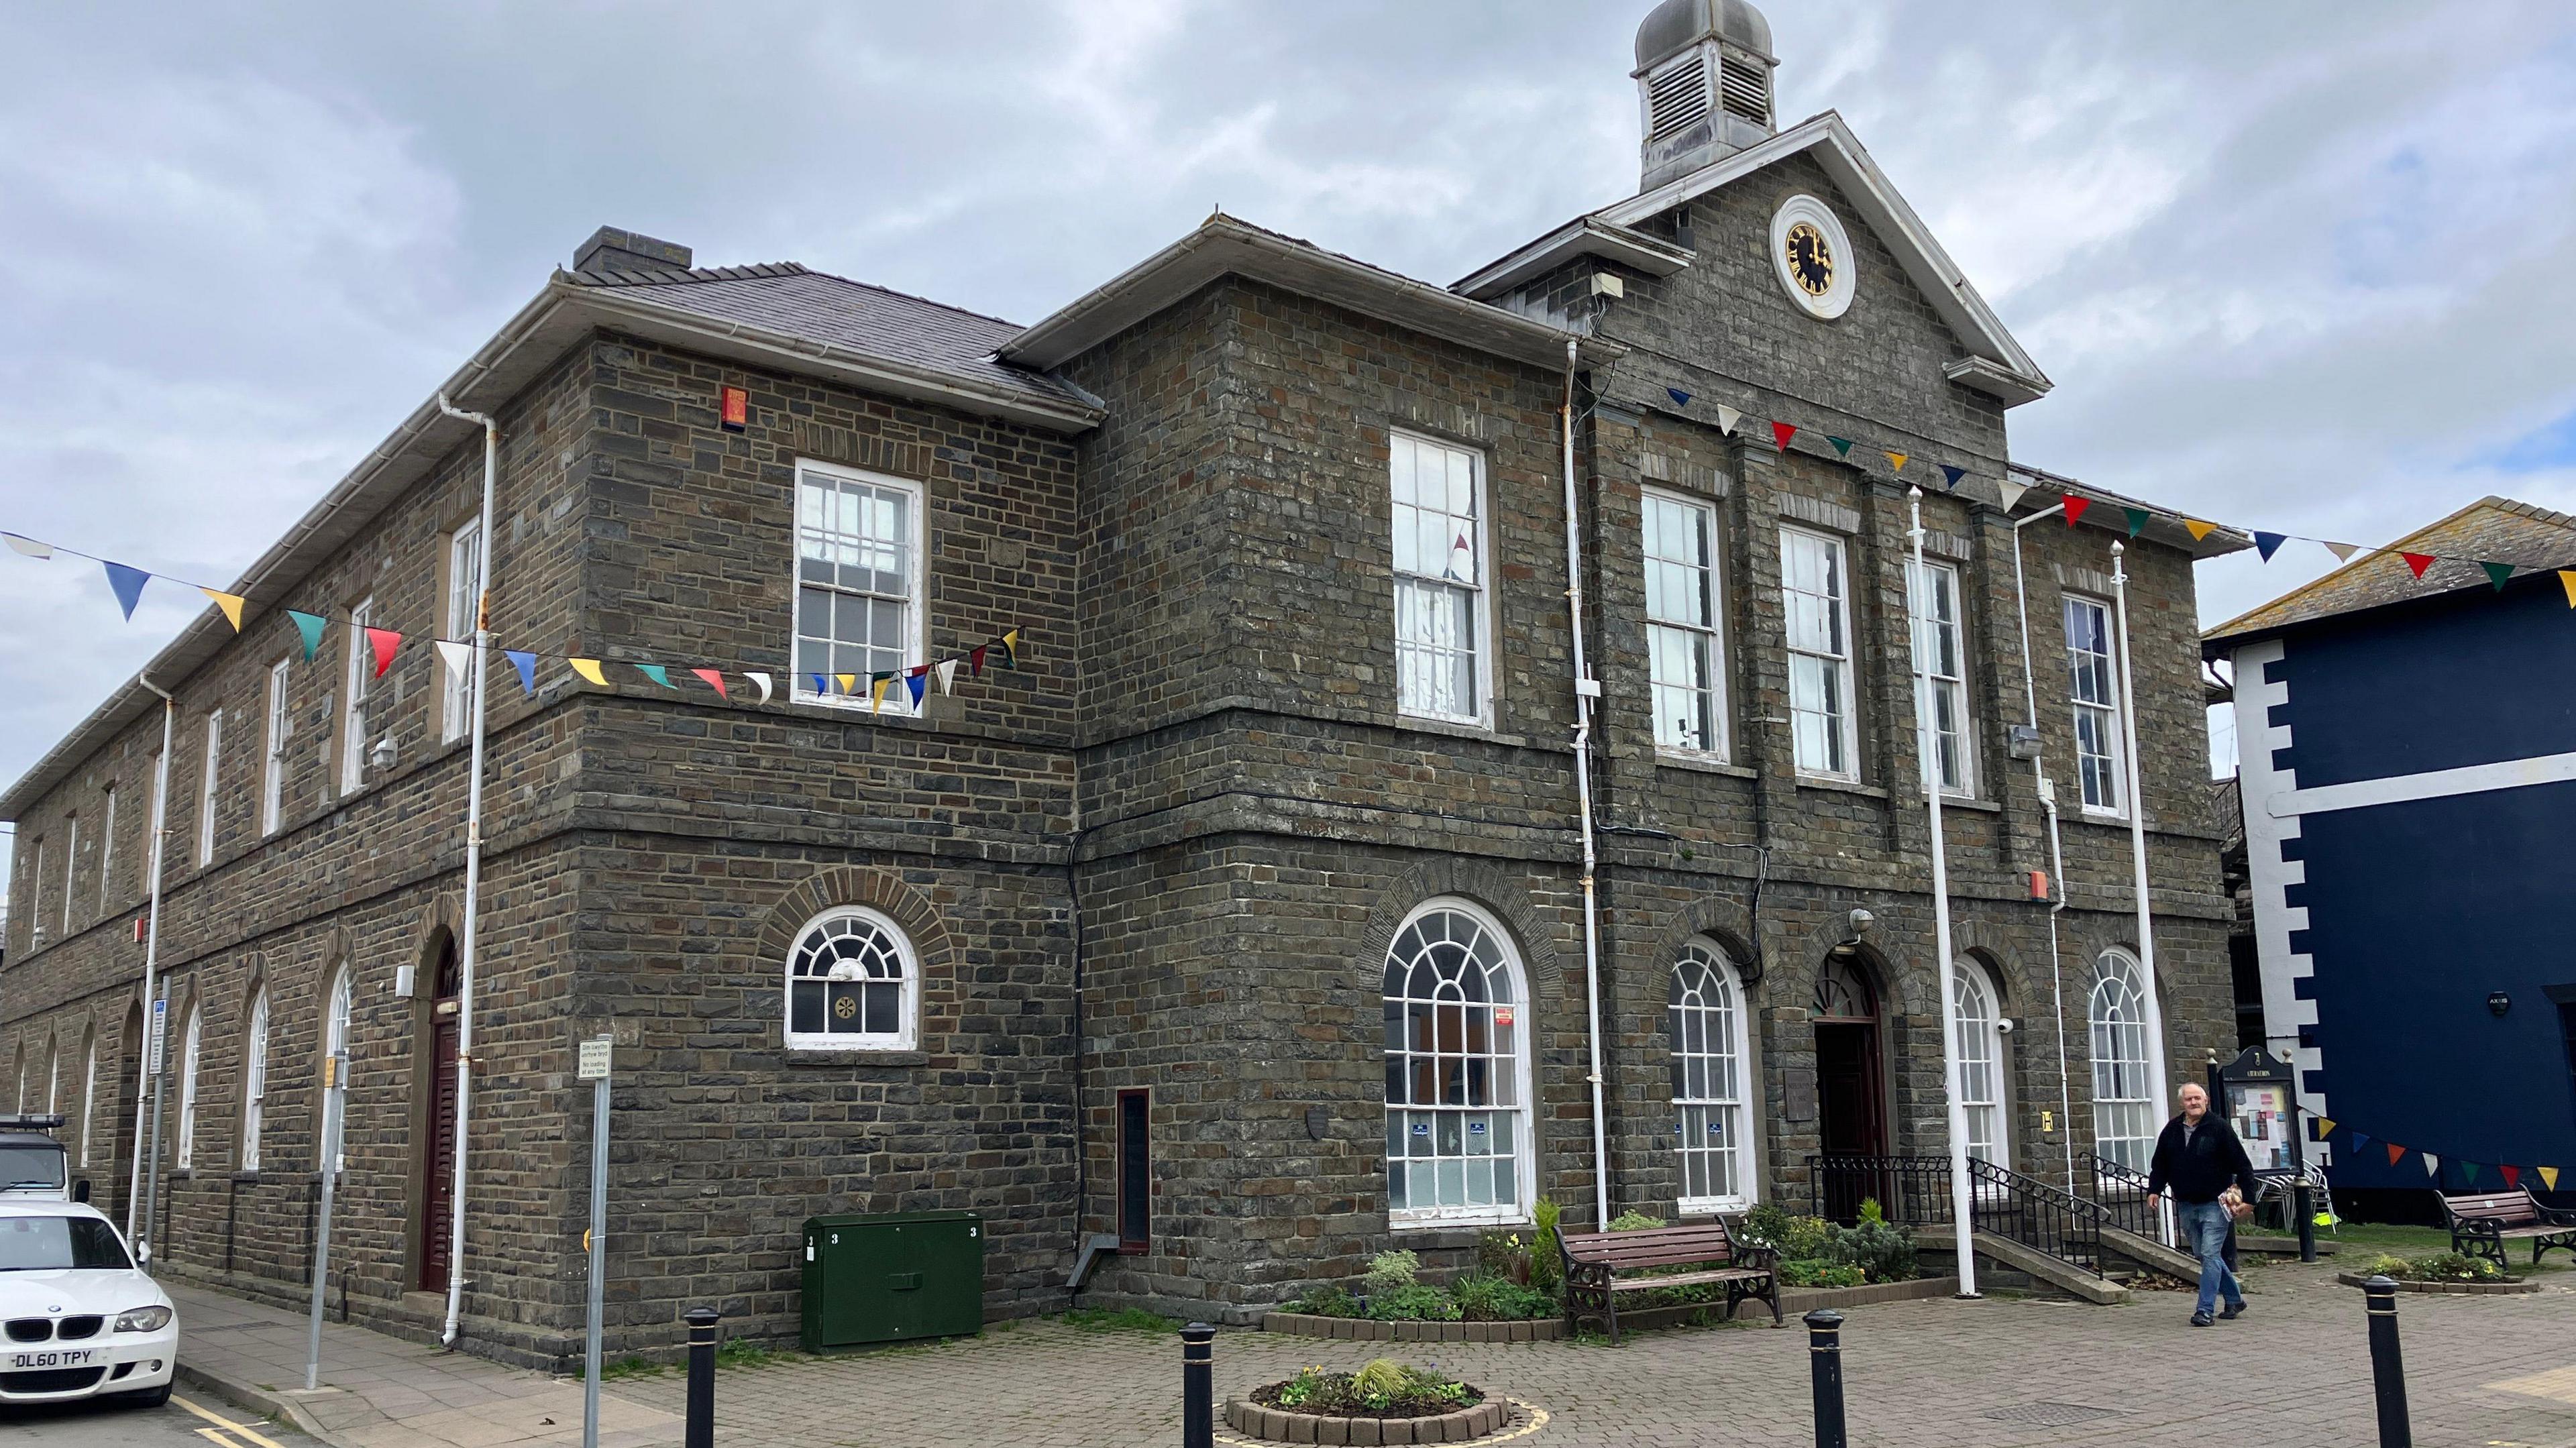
<point x="1502" y="1015"/>
<point x="737" y="409"/>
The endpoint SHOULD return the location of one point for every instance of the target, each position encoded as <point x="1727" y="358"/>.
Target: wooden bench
<point x="1601" y="1265"/>
<point x="2481" y="1223"/>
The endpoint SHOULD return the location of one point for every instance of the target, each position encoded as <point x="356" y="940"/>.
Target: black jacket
<point x="2200" y="1172"/>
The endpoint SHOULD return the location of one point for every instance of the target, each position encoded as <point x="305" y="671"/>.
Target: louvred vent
<point x="1747" y="85"/>
<point x="1677" y="97"/>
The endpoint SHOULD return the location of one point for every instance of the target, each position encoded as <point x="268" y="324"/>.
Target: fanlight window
<point x="1843" y="993"/>
<point x="1709" y="1068"/>
<point x="852" y="984"/>
<point x="1457" y="1113"/>
<point x="2124" y="1106"/>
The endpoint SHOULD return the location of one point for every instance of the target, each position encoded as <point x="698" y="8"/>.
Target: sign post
<point x="594" y="1069"/>
<point x="334" y="1088"/>
<point x="157" y="1049"/>
<point x="2258" y="1093"/>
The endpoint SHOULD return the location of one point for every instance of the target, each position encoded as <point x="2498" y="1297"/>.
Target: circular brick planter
<point x="2460" y="1289"/>
<point x="1536" y="1329"/>
<point x="1277" y="1425"/>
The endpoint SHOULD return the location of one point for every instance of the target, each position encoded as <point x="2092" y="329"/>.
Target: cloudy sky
<point x="2307" y="266"/>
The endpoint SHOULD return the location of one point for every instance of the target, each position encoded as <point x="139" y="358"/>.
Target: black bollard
<point x="1825" y="1365"/>
<point x="701" y="1429"/>
<point x="1198" y="1386"/>
<point x="2387" y="1368"/>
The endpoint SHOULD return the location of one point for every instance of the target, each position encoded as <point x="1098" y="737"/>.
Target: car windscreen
<point x="30" y="1244"/>
<point x="30" y="1166"/>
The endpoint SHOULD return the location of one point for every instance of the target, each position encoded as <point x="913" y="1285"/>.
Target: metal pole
<point x="2300" y="1201"/>
<point x="2387" y="1368"/>
<point x="1198" y="1386"/>
<point x="156" y="1052"/>
<point x="700" y="1429"/>
<point x="598" y="1244"/>
<point x="473" y="860"/>
<point x="2138" y="862"/>
<point x="1927" y="737"/>
<point x="151" y="952"/>
<point x="1825" y="1369"/>
<point x="334" y="1075"/>
<point x="1585" y="690"/>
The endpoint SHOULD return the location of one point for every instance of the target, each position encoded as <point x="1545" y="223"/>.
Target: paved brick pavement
<point x="2484" y="1372"/>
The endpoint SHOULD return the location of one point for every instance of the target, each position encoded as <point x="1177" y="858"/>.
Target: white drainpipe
<point x="473" y="862"/>
<point x="1962" y="1191"/>
<point x="1585" y="691"/>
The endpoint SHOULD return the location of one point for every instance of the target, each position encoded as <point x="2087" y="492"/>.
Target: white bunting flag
<point x="2011" y="491"/>
<point x="2432" y="1165"/>
<point x="28" y="546"/>
<point x="947" y="676"/>
<point x="2343" y="551"/>
<point x="1727" y="418"/>
<point x="760" y="682"/>
<point x="456" y="656"/>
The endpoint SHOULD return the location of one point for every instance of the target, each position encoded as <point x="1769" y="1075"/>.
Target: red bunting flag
<point x="1781" y="432"/>
<point x="2396" y="1153"/>
<point x="2418" y="561"/>
<point x="975" y="661"/>
<point x="2075" y="507"/>
<point x="2512" y="1176"/>
<point x="384" y="641"/>
<point x="715" y="681"/>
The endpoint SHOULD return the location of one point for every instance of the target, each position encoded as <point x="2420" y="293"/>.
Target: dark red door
<point x="438" y="1165"/>
<point x="1853" y="1111"/>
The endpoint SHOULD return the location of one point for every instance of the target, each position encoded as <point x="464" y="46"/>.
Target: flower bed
<point x="1384" y="1402"/>
<point x="2444" y="1272"/>
<point x="2502" y="1287"/>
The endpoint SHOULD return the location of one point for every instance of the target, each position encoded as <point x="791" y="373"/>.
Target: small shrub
<point x="1634" y="1222"/>
<point x="1389" y="1271"/>
<point x="1793" y="1237"/>
<point x="1872" y="1212"/>
<point x="1547" y="1262"/>
<point x="740" y="1352"/>
<point x="2388" y="1265"/>
<point x="1384" y="1386"/>
<point x="1504" y="1252"/>
<point x="1413" y="1302"/>
<point x="2453" y="1267"/>
<point x="1123" y="1319"/>
<point x="1811" y="1272"/>
<point x="1487" y="1298"/>
<point x="1327" y="1300"/>
<point x="1882" y="1252"/>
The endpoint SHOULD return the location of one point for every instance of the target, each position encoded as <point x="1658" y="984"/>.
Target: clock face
<point x="1810" y="257"/>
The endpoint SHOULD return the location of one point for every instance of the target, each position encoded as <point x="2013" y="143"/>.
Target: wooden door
<point x="438" y="1141"/>
<point x="1853" y="1113"/>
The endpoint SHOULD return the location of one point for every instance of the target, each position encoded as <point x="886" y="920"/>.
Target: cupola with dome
<point x="1703" y="84"/>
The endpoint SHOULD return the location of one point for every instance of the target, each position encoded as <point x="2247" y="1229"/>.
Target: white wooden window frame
<point x="353" y="699"/>
<point x="1712" y="1063"/>
<point x="1419" y="1139"/>
<point x="71" y="867"/>
<point x="1985" y="1092"/>
<point x="1829" y="664"/>
<point x="2125" y="1112"/>
<point x="1941" y="652"/>
<point x="466" y="557"/>
<point x="1421" y="577"/>
<point x="272" y="777"/>
<point x="2093" y="694"/>
<point x="206" y="783"/>
<point x="191" y="1052"/>
<point x="254" y="1080"/>
<point x="805" y="953"/>
<point x="830" y="479"/>
<point x="89" y="1095"/>
<point x="1689" y="715"/>
<point x="106" y="844"/>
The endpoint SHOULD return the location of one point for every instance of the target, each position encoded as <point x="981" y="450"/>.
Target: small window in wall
<point x="1946" y="740"/>
<point x="1816" y="582"/>
<point x="859" y="598"/>
<point x="464" y="609"/>
<point x="272" y="779"/>
<point x="1686" y="656"/>
<point x="2093" y="687"/>
<point x="1135" y="1172"/>
<point x="1443" y="659"/>
<point x="852" y="984"/>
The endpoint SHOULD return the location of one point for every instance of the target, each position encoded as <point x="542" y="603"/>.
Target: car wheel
<point x="147" y="1398"/>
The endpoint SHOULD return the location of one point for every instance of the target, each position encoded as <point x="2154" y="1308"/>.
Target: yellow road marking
<point x="216" y="1436"/>
<point x="227" y="1424"/>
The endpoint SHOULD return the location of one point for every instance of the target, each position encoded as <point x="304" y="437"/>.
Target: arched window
<point x="1710" y="1063"/>
<point x="191" y="1044"/>
<point x="89" y="1093"/>
<point x="335" y="1043"/>
<point x="53" y="1077"/>
<point x="2124" y="1106"/>
<point x="1981" y="1066"/>
<point x="1843" y="993"/>
<point x="1457" y="1113"/>
<point x="852" y="984"/>
<point x="254" y="1079"/>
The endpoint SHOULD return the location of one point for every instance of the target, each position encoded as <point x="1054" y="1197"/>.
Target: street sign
<point x="160" y="1032"/>
<point x="594" y="1059"/>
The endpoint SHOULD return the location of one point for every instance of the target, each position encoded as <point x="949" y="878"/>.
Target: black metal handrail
<point x="1914" y="1191"/>
<point x="2121" y="1190"/>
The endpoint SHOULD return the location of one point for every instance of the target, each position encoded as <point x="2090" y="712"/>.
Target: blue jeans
<point x="2204" y="1226"/>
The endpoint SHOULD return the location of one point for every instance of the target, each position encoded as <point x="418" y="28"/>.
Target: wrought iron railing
<point x="2121" y="1190"/>
<point x="1914" y="1191"/>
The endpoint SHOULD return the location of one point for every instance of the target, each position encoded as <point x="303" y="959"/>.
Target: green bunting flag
<point x="1842" y="445"/>
<point x="656" y="673"/>
<point x="310" y="625"/>
<point x="2497" y="573"/>
<point x="2137" y="520"/>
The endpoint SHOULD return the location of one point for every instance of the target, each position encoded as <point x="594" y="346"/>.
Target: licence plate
<point x="69" y="1358"/>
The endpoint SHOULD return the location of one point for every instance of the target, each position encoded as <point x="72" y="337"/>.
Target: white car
<point x="77" y="1319"/>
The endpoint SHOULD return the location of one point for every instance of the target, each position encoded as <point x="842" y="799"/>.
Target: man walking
<point x="2198" y="1157"/>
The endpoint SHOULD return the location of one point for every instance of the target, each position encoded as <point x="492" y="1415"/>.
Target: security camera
<point x="2005" y="1025"/>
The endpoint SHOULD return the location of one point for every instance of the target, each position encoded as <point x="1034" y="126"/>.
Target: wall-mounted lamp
<point x="2499" y="1003"/>
<point x="381" y="754"/>
<point x="2022" y="741"/>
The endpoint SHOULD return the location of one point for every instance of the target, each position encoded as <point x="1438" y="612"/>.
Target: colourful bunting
<point x="384" y="641"/>
<point x="2497" y="573"/>
<point x="656" y="672"/>
<point x="1011" y="648"/>
<point x="849" y="683"/>
<point x="1842" y="445"/>
<point x="2567" y="580"/>
<point x="2469" y="1173"/>
<point x="230" y="603"/>
<point x="128" y="584"/>
<point x="2396" y="1153"/>
<point x="1679" y="397"/>
<point x="916" y="680"/>
<point x="28" y="546"/>
<point x="526" y="663"/>
<point x="876" y="690"/>
<point x="310" y="625"/>
<point x="2323" y="1128"/>
<point x="2137" y="520"/>
<point x="760" y="682"/>
<point x="2418" y="561"/>
<point x="948" y="676"/>
<point x="456" y="656"/>
<point x="822" y="684"/>
<point x="590" y="669"/>
<point x="2432" y="1165"/>
<point x="1895" y="461"/>
<point x="1781" y="432"/>
<point x="2075" y="507"/>
<point x="2361" y="1139"/>
<point x="2005" y="488"/>
<point x="1951" y="474"/>
<point x="2199" y="530"/>
<point x="2548" y="1176"/>
<point x="1727" y="418"/>
<point x="975" y="660"/>
<point x="2342" y="551"/>
<point x="2268" y="544"/>
<point x="714" y="680"/>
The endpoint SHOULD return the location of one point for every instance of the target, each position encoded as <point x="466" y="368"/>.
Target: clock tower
<point x="1703" y="84"/>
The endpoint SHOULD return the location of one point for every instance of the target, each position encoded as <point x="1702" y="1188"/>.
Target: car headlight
<point x="143" y="1319"/>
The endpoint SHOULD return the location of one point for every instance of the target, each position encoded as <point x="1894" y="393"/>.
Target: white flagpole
<point x="151" y="959"/>
<point x="2138" y="859"/>
<point x="1927" y="735"/>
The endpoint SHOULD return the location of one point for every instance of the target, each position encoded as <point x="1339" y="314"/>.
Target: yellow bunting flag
<point x="589" y="669"/>
<point x="876" y="692"/>
<point x="230" y="603"/>
<point x="849" y="683"/>
<point x="1011" y="648"/>
<point x="2199" y="529"/>
<point x="1896" y="462"/>
<point x="2325" y="1127"/>
<point x="2567" y="580"/>
<point x="2549" y="1177"/>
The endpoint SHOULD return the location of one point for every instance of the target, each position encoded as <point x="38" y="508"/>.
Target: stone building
<point x="1244" y="920"/>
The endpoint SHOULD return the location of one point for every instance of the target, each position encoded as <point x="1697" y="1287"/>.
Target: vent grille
<point x="1676" y="97"/>
<point x="1747" y="87"/>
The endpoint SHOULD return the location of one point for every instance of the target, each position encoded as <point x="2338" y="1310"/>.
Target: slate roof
<point x="795" y="301"/>
<point x="2498" y="530"/>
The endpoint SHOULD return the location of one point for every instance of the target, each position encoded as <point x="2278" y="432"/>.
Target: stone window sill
<point x="1841" y="786"/>
<point x="1455" y="729"/>
<point x="1702" y="764"/>
<point x="801" y="1057"/>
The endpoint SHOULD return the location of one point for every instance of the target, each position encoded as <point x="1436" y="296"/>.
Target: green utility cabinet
<point x="893" y="1277"/>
